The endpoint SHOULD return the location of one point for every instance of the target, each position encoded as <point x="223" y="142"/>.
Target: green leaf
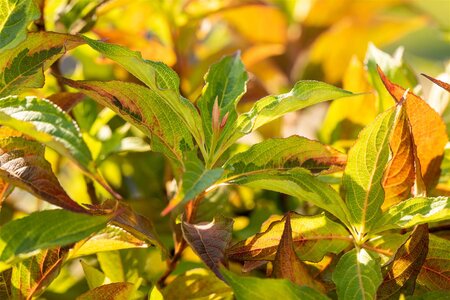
<point x="404" y="269"/>
<point x="146" y="110"/>
<point x="225" y="83"/>
<point x="252" y="288"/>
<point x="436" y="269"/>
<point x="363" y="176"/>
<point x="209" y="240"/>
<point x="23" y="67"/>
<point x="48" y="124"/>
<point x="305" y="93"/>
<point x="313" y="237"/>
<point x="15" y="16"/>
<point x="112" y="291"/>
<point x="414" y="211"/>
<point x="46" y="229"/>
<point x="284" y="154"/>
<point x="300" y="183"/>
<point x="22" y="163"/>
<point x="94" y="277"/>
<point x="112" y="265"/>
<point x="31" y="276"/>
<point x="357" y="275"/>
<point x="161" y="79"/>
<point x="197" y="284"/>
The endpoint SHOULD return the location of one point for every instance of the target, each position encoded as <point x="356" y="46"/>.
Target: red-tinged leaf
<point x="313" y="237"/>
<point x="404" y="269"/>
<point x="5" y="284"/>
<point x="435" y="273"/>
<point x="440" y="83"/>
<point x="112" y="291"/>
<point x="5" y="189"/>
<point x="287" y="264"/>
<point x="399" y="175"/>
<point x="22" y="163"/>
<point x="209" y="240"/>
<point x="31" y="276"/>
<point x="427" y="128"/>
<point x="65" y="100"/>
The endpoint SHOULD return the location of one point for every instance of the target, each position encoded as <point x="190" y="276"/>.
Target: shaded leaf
<point x="363" y="175"/>
<point x="159" y="78"/>
<point x="15" y="16"/>
<point x="312" y="236"/>
<point x="283" y="154"/>
<point x="146" y="110"/>
<point x="23" y="66"/>
<point x="357" y="275"/>
<point x="287" y="264"/>
<point x="48" y="124"/>
<point x="112" y="291"/>
<point x="428" y="131"/>
<point x="252" y="288"/>
<point x="404" y="269"/>
<point x="209" y="240"/>
<point x="197" y="284"/>
<point x="414" y="211"/>
<point x="23" y="236"/>
<point x="300" y="183"/>
<point x="65" y="100"/>
<point x="435" y="273"/>
<point x="22" y="163"/>
<point x="440" y="83"/>
<point x="5" y="284"/>
<point x="31" y="276"/>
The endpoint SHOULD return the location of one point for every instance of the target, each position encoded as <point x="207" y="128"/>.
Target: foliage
<point x="162" y="149"/>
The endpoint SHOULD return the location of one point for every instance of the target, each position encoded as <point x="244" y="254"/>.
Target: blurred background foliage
<point x="281" y="42"/>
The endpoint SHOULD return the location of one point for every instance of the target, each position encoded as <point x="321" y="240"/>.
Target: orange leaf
<point x="442" y="84"/>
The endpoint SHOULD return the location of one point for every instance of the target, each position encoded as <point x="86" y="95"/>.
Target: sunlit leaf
<point x="313" y="237"/>
<point x="414" y="211"/>
<point x="31" y="276"/>
<point x="46" y="229"/>
<point x="440" y="83"/>
<point x="404" y="269"/>
<point x="436" y="268"/>
<point x="363" y="175"/>
<point x="252" y="288"/>
<point x="15" y="16"/>
<point x="112" y="291"/>
<point x="428" y="131"/>
<point x="209" y="240"/>
<point x="48" y="124"/>
<point x="94" y="277"/>
<point x="357" y="275"/>
<point x="282" y="154"/>
<point x="22" y="67"/>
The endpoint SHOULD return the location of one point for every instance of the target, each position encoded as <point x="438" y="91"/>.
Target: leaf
<point x="428" y="131"/>
<point x="5" y="284"/>
<point x="299" y="182"/>
<point x="21" y="237"/>
<point x="404" y="269"/>
<point x="112" y="265"/>
<point x="197" y="284"/>
<point x="357" y="275"/>
<point x="252" y="288"/>
<point x="48" y="124"/>
<point x="287" y="264"/>
<point x="413" y="212"/>
<point x="305" y="93"/>
<point x="94" y="277"/>
<point x="400" y="174"/>
<point x="209" y="240"/>
<point x="31" y="276"/>
<point x="435" y="273"/>
<point x="23" y="66"/>
<point x="112" y="291"/>
<point x="159" y="78"/>
<point x="363" y="175"/>
<point x="440" y="83"/>
<point x="283" y="154"/>
<point x="313" y="237"/>
<point x="22" y="163"/>
<point x="65" y="100"/>
<point x="146" y="110"/>
<point x="15" y="16"/>
<point x="225" y="83"/>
